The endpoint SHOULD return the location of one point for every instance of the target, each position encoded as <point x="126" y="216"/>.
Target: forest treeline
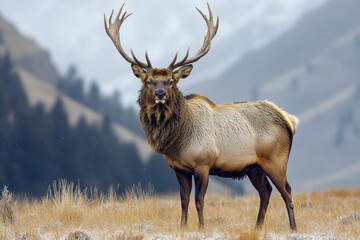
<point x="111" y="106"/>
<point x="38" y="147"/>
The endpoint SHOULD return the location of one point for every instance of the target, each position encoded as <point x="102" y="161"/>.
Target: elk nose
<point x="160" y="93"/>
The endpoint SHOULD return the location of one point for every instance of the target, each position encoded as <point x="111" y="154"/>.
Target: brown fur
<point x="162" y="123"/>
<point x="159" y="74"/>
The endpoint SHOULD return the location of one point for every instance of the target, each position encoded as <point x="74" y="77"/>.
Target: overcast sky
<point x="73" y="32"/>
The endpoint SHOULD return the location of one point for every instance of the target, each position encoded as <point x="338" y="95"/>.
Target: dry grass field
<point x="70" y="213"/>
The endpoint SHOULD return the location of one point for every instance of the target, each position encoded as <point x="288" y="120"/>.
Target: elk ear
<point x="183" y="72"/>
<point x="138" y="71"/>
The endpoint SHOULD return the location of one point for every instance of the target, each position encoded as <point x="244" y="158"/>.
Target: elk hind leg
<point x="260" y="182"/>
<point x="277" y="174"/>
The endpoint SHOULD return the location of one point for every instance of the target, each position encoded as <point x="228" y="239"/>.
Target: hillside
<point x="313" y="34"/>
<point x="26" y="53"/>
<point x="311" y="71"/>
<point x="40" y="145"/>
<point x="39" y="76"/>
<point x="39" y="92"/>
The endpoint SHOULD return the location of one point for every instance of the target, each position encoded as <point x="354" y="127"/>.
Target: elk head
<point x="160" y="82"/>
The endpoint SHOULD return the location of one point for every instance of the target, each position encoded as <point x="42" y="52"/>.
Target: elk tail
<point x="293" y="120"/>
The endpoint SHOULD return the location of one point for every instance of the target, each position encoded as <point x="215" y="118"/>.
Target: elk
<point x="200" y="138"/>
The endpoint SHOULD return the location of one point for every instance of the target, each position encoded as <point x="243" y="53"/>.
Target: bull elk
<point x="200" y="138"/>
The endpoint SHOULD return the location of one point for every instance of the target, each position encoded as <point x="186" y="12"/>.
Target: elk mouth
<point x="160" y="101"/>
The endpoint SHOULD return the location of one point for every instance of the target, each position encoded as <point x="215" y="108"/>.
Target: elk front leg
<point x="201" y="183"/>
<point x="185" y="181"/>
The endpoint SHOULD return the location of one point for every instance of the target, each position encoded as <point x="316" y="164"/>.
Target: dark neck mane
<point x="163" y="123"/>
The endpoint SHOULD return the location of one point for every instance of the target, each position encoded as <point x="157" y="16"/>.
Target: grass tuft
<point x="138" y="192"/>
<point x="6" y="206"/>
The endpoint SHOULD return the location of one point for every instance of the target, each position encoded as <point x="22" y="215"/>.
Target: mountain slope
<point x="39" y="92"/>
<point x="38" y="76"/>
<point x="26" y="53"/>
<point x="314" y="33"/>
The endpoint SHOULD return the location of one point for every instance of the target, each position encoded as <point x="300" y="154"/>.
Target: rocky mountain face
<point x="311" y="71"/>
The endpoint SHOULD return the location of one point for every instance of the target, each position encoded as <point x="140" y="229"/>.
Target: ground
<point x="70" y="213"/>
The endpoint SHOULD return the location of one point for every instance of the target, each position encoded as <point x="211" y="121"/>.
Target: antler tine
<point x="212" y="30"/>
<point x="174" y="60"/>
<point x="141" y="64"/>
<point x="172" y="64"/>
<point x="148" y="59"/>
<point x="113" y="31"/>
<point x="211" y="21"/>
<point x="210" y="13"/>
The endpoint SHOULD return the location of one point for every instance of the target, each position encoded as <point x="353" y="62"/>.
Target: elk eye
<point x="171" y="81"/>
<point x="148" y="82"/>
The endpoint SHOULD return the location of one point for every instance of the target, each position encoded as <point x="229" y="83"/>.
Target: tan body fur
<point x="231" y="137"/>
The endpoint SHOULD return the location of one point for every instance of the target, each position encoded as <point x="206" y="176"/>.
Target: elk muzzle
<point x="160" y="95"/>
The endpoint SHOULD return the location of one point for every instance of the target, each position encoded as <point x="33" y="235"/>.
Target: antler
<point x="212" y="29"/>
<point x="113" y="32"/>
